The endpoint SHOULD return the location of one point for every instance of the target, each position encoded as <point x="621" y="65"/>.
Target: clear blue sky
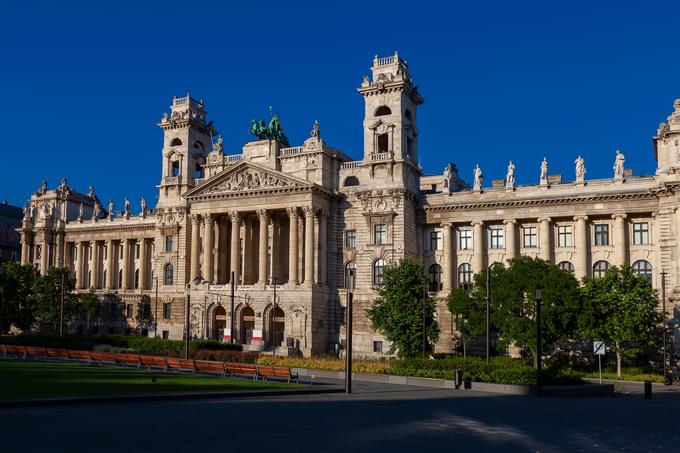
<point x="83" y="85"/>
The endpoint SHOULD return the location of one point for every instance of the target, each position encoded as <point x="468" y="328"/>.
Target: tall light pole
<point x="61" y="309"/>
<point x="155" y="324"/>
<point x="348" y="341"/>
<point x="663" y="320"/>
<point x="186" y="327"/>
<point x="488" y="314"/>
<point x="274" y="318"/>
<point x="539" y="363"/>
<point x="231" y="316"/>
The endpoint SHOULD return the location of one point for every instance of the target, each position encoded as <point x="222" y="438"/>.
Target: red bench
<point x="206" y="366"/>
<point x="152" y="361"/>
<point x="103" y="357"/>
<point x="281" y="372"/>
<point x="56" y="353"/>
<point x="241" y="369"/>
<point x="181" y="364"/>
<point x="18" y="351"/>
<point x="81" y="356"/>
<point x="35" y="351"/>
<point x="128" y="359"/>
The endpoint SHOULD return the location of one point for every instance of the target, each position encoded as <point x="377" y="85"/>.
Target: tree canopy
<point x="398" y="310"/>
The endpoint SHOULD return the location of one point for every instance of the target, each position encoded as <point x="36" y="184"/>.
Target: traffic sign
<point x="598" y="347"/>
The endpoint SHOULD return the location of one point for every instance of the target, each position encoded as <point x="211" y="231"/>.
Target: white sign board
<point x="598" y="347"/>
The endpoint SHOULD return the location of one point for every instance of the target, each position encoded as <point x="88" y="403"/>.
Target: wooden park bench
<point x="57" y="353"/>
<point x="128" y="359"/>
<point x="103" y="357"/>
<point x="280" y="372"/>
<point x="152" y="361"/>
<point x="3" y="350"/>
<point x="35" y="351"/>
<point x="181" y="364"/>
<point x="241" y="369"/>
<point x="80" y="356"/>
<point x="207" y="366"/>
<point x="17" y="351"/>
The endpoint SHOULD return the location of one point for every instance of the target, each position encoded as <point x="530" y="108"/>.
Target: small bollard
<point x="467" y="384"/>
<point x="458" y="379"/>
<point x="648" y="390"/>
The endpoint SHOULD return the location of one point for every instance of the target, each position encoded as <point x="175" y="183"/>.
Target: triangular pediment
<point x="246" y="177"/>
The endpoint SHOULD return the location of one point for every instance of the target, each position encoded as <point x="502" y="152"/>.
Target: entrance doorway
<point x="219" y="322"/>
<point x="247" y="325"/>
<point x="277" y="326"/>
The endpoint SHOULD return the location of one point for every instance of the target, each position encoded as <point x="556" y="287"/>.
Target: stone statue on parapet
<point x="580" y="169"/>
<point x="272" y="131"/>
<point x="543" y="180"/>
<point x="90" y="192"/>
<point x="477" y="185"/>
<point x="218" y="146"/>
<point x="127" y="208"/>
<point x="111" y="212"/>
<point x="510" y="177"/>
<point x="142" y="203"/>
<point x="618" y="165"/>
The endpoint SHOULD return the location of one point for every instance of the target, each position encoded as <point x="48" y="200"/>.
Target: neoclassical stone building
<point x="287" y="224"/>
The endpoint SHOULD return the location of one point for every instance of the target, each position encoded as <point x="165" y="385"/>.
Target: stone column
<point x="263" y="247"/>
<point x="221" y="268"/>
<point x="126" y="264"/>
<point x="94" y="281"/>
<point x="545" y="249"/>
<point x="110" y="253"/>
<point x="59" y="250"/>
<point x="208" y="244"/>
<point x="235" y="244"/>
<point x="581" y="266"/>
<point x="322" y="255"/>
<point x="479" y="254"/>
<point x="25" y="250"/>
<point x="143" y="255"/>
<point x="45" y="256"/>
<point x="195" y="248"/>
<point x="293" y="246"/>
<point x="510" y="238"/>
<point x="79" y="264"/>
<point x="309" y="244"/>
<point x="619" y="239"/>
<point x="447" y="274"/>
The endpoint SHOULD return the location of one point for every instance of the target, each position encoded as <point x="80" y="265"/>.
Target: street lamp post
<point x="348" y="341"/>
<point x="663" y="320"/>
<point x="61" y="308"/>
<point x="488" y="314"/>
<point x="231" y="316"/>
<point x="539" y="299"/>
<point x="155" y="323"/>
<point x="186" y="327"/>
<point x="274" y="318"/>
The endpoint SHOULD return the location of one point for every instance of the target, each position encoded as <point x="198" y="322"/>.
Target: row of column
<point x="110" y="264"/>
<point x="545" y="250"/>
<point x="210" y="251"/>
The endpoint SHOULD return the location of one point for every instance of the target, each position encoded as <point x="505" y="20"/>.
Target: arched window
<point x="600" y="268"/>
<point x="382" y="111"/>
<point x="566" y="266"/>
<point x="350" y="275"/>
<point x="168" y="274"/>
<point x="176" y="142"/>
<point x="643" y="268"/>
<point x="378" y="267"/>
<point x="435" y="273"/>
<point x="351" y="181"/>
<point x="198" y="145"/>
<point x="465" y="276"/>
<point x="136" y="278"/>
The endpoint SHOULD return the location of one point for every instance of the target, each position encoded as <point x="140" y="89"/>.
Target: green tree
<point x="469" y="314"/>
<point x="88" y="306"/>
<point x="513" y="297"/>
<point x="17" y="303"/>
<point x="47" y="292"/>
<point x="398" y="310"/>
<point x="621" y="310"/>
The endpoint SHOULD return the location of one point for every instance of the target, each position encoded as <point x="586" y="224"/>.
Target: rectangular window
<point x="564" y="237"/>
<point x="137" y="248"/>
<point x="168" y="243"/>
<point x="89" y="252"/>
<point x="601" y="234"/>
<point x="436" y="239"/>
<point x="128" y="311"/>
<point x="350" y="239"/>
<point x="380" y="234"/>
<point x="106" y="251"/>
<point x="497" y="235"/>
<point x="530" y="235"/>
<point x="167" y="311"/>
<point x="378" y="346"/>
<point x="166" y="334"/>
<point x="465" y="239"/>
<point x="641" y="233"/>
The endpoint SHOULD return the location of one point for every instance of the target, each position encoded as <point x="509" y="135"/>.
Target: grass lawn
<point x="35" y="379"/>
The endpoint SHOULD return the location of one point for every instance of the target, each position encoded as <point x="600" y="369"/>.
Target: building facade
<point x="291" y="228"/>
<point x="10" y="219"/>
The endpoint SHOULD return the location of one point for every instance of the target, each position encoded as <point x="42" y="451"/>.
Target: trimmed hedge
<point x="226" y="356"/>
<point x="142" y="345"/>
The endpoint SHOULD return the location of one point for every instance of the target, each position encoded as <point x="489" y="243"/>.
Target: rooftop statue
<point x="272" y="131"/>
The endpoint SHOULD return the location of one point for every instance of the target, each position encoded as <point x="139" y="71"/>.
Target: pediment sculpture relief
<point x="249" y="180"/>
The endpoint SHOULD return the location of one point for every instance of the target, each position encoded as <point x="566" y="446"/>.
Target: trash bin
<point x="467" y="384"/>
<point x="669" y="379"/>
<point x="648" y="390"/>
<point x="458" y="378"/>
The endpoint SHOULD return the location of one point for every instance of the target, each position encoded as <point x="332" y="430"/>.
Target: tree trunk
<point x="618" y="364"/>
<point x="533" y="353"/>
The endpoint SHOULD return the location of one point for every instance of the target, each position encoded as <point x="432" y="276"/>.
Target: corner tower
<point x="391" y="100"/>
<point x="187" y="140"/>
<point x="667" y="144"/>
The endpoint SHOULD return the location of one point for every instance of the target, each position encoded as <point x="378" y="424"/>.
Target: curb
<point x="160" y="397"/>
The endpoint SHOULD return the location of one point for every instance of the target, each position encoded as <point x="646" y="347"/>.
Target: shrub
<point x="226" y="355"/>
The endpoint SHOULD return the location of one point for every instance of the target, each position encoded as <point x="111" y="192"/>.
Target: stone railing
<point x="380" y="156"/>
<point x="385" y="61"/>
<point x="352" y="164"/>
<point x="199" y="181"/>
<point x="291" y="151"/>
<point x="171" y="180"/>
<point x="234" y="157"/>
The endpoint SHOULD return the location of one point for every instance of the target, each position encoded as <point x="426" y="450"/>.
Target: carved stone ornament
<point x="249" y="179"/>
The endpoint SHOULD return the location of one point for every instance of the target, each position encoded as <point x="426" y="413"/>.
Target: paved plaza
<point x="376" y="417"/>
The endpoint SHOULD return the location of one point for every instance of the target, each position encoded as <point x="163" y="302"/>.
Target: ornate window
<point x="601" y="234"/>
<point x="435" y="273"/>
<point x="564" y="237"/>
<point x="167" y="311"/>
<point x="383" y="143"/>
<point x="465" y="276"/>
<point x="436" y="239"/>
<point x="380" y="234"/>
<point x="169" y="243"/>
<point x="175" y="168"/>
<point x="530" y="237"/>
<point x="378" y="267"/>
<point x="641" y="233"/>
<point x="350" y="275"/>
<point x="497" y="236"/>
<point x="643" y="268"/>
<point x="168" y="274"/>
<point x="382" y="111"/>
<point x="600" y="268"/>
<point x="350" y="239"/>
<point x="566" y="266"/>
<point x="351" y="181"/>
